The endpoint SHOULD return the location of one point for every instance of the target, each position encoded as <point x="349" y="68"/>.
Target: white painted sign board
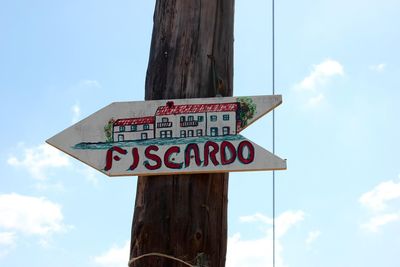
<point x="197" y="135"/>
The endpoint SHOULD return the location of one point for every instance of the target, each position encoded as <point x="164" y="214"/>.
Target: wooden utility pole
<point x="185" y="216"/>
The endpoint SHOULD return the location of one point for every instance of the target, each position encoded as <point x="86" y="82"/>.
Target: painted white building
<point x="180" y="121"/>
<point x="196" y="120"/>
<point x="133" y="129"/>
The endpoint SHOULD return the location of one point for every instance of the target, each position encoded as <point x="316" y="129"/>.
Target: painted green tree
<point x="108" y="130"/>
<point x="247" y="109"/>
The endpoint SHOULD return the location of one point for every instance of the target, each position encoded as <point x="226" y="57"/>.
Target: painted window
<point x="190" y="133"/>
<point x="164" y="119"/>
<point x="133" y="128"/>
<point x="225" y="131"/>
<point x="182" y="118"/>
<point x="214" y="131"/>
<point x="183" y="133"/>
<point x="144" y="136"/>
<point x="146" y="127"/>
<point x="199" y="132"/>
<point x="120" y="137"/>
<point x="213" y="118"/>
<point x="225" y="117"/>
<point x="122" y="128"/>
<point x="200" y="118"/>
<point x="190" y="118"/>
<point x="166" y="134"/>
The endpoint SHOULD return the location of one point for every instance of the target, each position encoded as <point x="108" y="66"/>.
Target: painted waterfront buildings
<point x="180" y="121"/>
<point x="133" y="129"/>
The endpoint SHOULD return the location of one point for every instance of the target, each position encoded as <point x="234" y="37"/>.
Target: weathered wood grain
<point x="191" y="55"/>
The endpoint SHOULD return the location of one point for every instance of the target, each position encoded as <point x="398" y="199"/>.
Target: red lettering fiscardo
<point x="188" y="154"/>
<point x="135" y="158"/>
<point x="245" y="153"/>
<point x="227" y="147"/>
<point x="109" y="156"/>
<point x="167" y="158"/>
<point x="212" y="154"/>
<point x="250" y="156"/>
<point x="153" y="157"/>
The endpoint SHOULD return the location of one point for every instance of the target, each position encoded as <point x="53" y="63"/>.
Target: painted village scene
<point x="171" y="136"/>
<point x="181" y="121"/>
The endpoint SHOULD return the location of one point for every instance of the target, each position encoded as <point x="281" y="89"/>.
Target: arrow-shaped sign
<point x="197" y="135"/>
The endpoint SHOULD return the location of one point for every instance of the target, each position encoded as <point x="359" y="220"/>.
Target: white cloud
<point x="374" y="224"/>
<point x="377" y="201"/>
<point x="30" y="215"/>
<point x="258" y="217"/>
<point x="89" y="83"/>
<point x="252" y="253"/>
<point x="7" y="243"/>
<point x="320" y="75"/>
<point x="258" y="252"/>
<point x="7" y="238"/>
<point x="378" y="68"/>
<point x="311" y="88"/>
<point x="38" y="160"/>
<point x="76" y="112"/>
<point x="377" y="198"/>
<point x="282" y="223"/>
<point x="114" y="257"/>
<point x="90" y="175"/>
<point x="44" y="186"/>
<point x="286" y="221"/>
<point x="312" y="237"/>
<point x="315" y="101"/>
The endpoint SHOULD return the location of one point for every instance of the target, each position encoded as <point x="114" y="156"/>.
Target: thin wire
<point x="273" y="133"/>
<point x="159" y="255"/>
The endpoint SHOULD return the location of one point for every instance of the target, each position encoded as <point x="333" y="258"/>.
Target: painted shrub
<point x="247" y="109"/>
<point x="108" y="128"/>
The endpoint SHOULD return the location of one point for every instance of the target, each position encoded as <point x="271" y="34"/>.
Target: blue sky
<point x="337" y="67"/>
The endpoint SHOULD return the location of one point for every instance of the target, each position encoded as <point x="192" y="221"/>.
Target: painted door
<point x="214" y="131"/>
<point x="183" y="133"/>
<point x="226" y="131"/>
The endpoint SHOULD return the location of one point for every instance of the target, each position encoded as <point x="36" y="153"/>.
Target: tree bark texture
<point x="185" y="216"/>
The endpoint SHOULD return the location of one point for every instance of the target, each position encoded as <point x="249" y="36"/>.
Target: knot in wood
<point x="198" y="235"/>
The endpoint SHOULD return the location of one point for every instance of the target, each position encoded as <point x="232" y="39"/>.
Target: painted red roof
<point x="195" y="108"/>
<point x="134" y="121"/>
